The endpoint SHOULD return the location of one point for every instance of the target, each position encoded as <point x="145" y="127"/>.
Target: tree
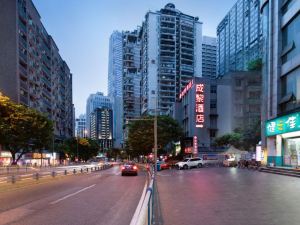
<point x="141" y="135"/>
<point x="86" y="148"/>
<point x="255" y="65"/>
<point x="233" y="139"/>
<point x="22" y="129"/>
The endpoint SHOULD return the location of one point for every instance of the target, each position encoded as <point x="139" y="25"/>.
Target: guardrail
<point x="144" y="210"/>
<point x="59" y="172"/>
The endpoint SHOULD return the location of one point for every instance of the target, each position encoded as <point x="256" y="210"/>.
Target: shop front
<point x="283" y="140"/>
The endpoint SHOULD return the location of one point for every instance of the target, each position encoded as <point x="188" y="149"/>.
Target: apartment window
<point x="287" y="5"/>
<point x="213" y="89"/>
<point x="238" y="82"/>
<point x="291" y="40"/>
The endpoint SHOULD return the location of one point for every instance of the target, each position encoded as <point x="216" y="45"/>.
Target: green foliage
<point x="243" y="138"/>
<point x="141" y="134"/>
<point x="87" y="148"/>
<point x="229" y="139"/>
<point x="23" y="129"/>
<point x="255" y="65"/>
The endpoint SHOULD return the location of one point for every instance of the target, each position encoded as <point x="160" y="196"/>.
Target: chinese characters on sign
<point x="283" y="124"/>
<point x="185" y="90"/>
<point x="199" y="111"/>
<point x="195" y="145"/>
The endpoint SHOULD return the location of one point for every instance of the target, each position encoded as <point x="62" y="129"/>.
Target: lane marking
<point x="70" y="195"/>
<point x="117" y="174"/>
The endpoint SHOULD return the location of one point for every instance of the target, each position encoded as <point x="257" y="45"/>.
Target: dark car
<point x="129" y="169"/>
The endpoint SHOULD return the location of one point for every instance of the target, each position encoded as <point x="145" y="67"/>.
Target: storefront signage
<point x="195" y="145"/>
<point x="188" y="150"/>
<point x="199" y="111"/>
<point x="284" y="124"/>
<point x="186" y="89"/>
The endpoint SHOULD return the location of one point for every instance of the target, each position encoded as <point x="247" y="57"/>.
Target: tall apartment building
<point x="281" y="79"/>
<point x="115" y="83"/>
<point x="80" y="126"/>
<point x="239" y="37"/>
<point x="209" y="57"/>
<point x="95" y="101"/>
<point x="124" y="72"/>
<point x="102" y="127"/>
<point x="171" y="55"/>
<point x="31" y="69"/>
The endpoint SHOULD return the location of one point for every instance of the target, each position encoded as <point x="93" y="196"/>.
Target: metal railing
<point x="13" y="178"/>
<point x="144" y="212"/>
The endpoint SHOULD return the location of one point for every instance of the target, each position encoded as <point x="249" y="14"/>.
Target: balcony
<point x="22" y="26"/>
<point x="23" y="84"/>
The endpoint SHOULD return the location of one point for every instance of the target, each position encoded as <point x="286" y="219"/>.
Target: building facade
<point x="239" y="37"/>
<point x="95" y="101"/>
<point x="32" y="71"/>
<point x="115" y="84"/>
<point x="281" y="79"/>
<point x="80" y="127"/>
<point x="124" y="80"/>
<point x="210" y="108"/>
<point x="101" y="127"/>
<point x="209" y="57"/>
<point x="171" y="55"/>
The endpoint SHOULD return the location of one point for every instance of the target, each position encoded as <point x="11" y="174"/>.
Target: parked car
<point x="189" y="163"/>
<point x="129" y="169"/>
<point x="165" y="165"/>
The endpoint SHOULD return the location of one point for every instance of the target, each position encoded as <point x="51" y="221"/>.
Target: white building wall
<point x="198" y="50"/>
<point x="153" y="50"/>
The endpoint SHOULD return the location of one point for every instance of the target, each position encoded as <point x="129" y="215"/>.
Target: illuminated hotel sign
<point x="284" y="124"/>
<point x="186" y="89"/>
<point x="199" y="111"/>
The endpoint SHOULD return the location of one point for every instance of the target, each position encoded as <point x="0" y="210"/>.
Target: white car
<point x="189" y="163"/>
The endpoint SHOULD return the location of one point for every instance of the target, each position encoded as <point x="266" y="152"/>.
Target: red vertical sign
<point x="199" y="111"/>
<point x="195" y="145"/>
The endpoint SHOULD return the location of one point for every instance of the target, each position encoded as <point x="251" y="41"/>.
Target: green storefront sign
<point x="284" y="124"/>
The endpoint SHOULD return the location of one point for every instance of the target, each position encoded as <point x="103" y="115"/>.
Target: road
<point x="228" y="196"/>
<point x="102" y="197"/>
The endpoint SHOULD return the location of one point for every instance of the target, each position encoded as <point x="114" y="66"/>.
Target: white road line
<point x="70" y="195"/>
<point x="117" y="174"/>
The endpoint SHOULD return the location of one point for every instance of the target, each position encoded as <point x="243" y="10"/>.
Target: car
<point x="189" y="163"/>
<point x="164" y="166"/>
<point x="129" y="169"/>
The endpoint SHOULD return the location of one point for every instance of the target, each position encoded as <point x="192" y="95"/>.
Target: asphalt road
<point x="103" y="197"/>
<point x="228" y="196"/>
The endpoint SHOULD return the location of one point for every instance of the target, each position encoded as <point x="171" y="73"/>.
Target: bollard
<point x="13" y="179"/>
<point x="53" y="174"/>
<point x="36" y="176"/>
<point x="98" y="168"/>
<point x="87" y="170"/>
<point x="74" y="171"/>
<point x="66" y="172"/>
<point x="91" y="169"/>
<point x="95" y="168"/>
<point x="81" y="171"/>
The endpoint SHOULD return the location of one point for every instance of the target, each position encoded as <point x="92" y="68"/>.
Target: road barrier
<point x="14" y="178"/>
<point x="144" y="210"/>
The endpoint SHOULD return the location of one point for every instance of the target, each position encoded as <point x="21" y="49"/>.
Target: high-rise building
<point x="239" y="37"/>
<point x="102" y="127"/>
<point x="32" y="71"/>
<point x="124" y="80"/>
<point x="80" y="126"/>
<point x="95" y="101"/>
<point x="171" y="55"/>
<point x="281" y="81"/>
<point x="209" y="57"/>
<point x="115" y="84"/>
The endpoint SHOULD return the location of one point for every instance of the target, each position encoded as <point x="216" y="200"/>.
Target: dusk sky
<point x="81" y="29"/>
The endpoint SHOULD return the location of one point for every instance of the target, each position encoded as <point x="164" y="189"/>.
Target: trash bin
<point x="158" y="166"/>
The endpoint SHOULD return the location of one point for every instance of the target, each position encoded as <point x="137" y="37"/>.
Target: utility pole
<point x="155" y="139"/>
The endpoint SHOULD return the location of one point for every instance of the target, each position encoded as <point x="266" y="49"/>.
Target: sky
<point x="81" y="30"/>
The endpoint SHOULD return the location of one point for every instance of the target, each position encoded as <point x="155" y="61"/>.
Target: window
<point x="213" y="89"/>
<point x="238" y="82"/>
<point x="212" y="133"/>
<point x="290" y="37"/>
